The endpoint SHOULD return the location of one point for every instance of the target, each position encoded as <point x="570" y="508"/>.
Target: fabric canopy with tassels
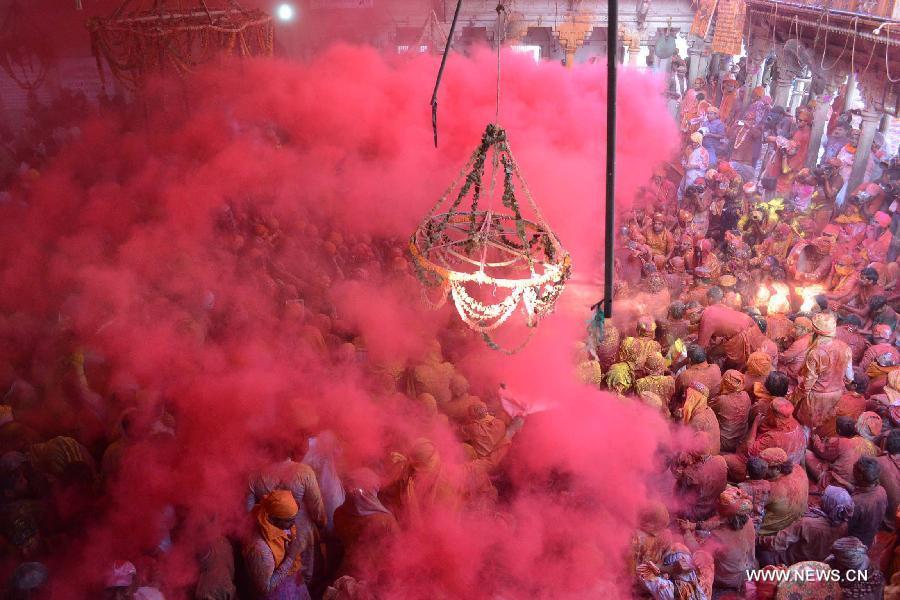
<point x="139" y="40"/>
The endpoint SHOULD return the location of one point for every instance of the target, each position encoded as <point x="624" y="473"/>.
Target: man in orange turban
<point x="273" y="553"/>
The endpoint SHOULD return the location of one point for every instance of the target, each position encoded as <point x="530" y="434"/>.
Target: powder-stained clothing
<point x="759" y="491"/>
<point x="810" y="538"/>
<point x="788" y="502"/>
<point x="661" y="385"/>
<point x="297" y="478"/>
<point x="732" y="411"/>
<point x="855" y="341"/>
<point x="265" y="574"/>
<point x="837" y="456"/>
<point x="778" y="431"/>
<point x="822" y="377"/>
<point x="890" y="481"/>
<point x="216" y="580"/>
<point x="705" y="420"/>
<point x="734" y="553"/>
<point x="360" y="534"/>
<point x="792" y="360"/>
<point x="700" y="485"/>
<point x="870" y="505"/>
<point x="874" y="352"/>
<point x="705" y="373"/>
<point x="851" y="404"/>
<point x="739" y="347"/>
<point x="720" y="321"/>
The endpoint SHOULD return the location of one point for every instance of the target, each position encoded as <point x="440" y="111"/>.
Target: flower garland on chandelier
<point x="144" y="41"/>
<point x="498" y="250"/>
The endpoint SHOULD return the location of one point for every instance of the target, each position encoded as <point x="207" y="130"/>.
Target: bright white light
<point x="285" y="12"/>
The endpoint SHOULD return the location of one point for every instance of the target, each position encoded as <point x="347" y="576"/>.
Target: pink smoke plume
<point x="121" y="253"/>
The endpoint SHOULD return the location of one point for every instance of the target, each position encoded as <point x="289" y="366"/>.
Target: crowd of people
<point x="763" y="297"/>
<point x="756" y="312"/>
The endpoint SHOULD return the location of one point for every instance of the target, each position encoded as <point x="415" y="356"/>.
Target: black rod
<point x="440" y="74"/>
<point x="612" y="41"/>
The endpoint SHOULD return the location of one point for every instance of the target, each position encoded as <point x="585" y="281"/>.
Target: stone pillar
<point x="662" y="65"/>
<point x="820" y="121"/>
<point x="851" y="91"/>
<point x="800" y="86"/>
<point x="885" y="125"/>
<point x="783" y="88"/>
<point x="695" y="49"/>
<point x="867" y="131"/>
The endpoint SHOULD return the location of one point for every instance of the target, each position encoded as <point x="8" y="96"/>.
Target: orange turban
<point x="281" y="505"/>
<point x="694" y="402"/>
<point x="732" y="381"/>
<point x="759" y="363"/>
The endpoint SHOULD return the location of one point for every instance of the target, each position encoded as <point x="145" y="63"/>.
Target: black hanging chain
<point x="437" y="83"/>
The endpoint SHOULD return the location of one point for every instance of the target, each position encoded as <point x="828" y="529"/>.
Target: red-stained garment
<point x="731" y="410"/>
<point x="850" y="405"/>
<point x="700" y="485"/>
<point x="778" y="431"/>
<point x="792" y="359"/>
<point x="855" y="341"/>
<point x="788" y="501"/>
<point x="874" y="352"/>
<point x="705" y="373"/>
<point x="739" y="348"/>
<point x="832" y="460"/>
<point x="720" y="321"/>
<point x="822" y="381"/>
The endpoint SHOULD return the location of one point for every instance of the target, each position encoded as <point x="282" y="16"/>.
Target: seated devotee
<point x="852" y="404"/>
<point x="699" y="371"/>
<point x="850" y="554"/>
<point x="697" y="414"/>
<point x="636" y="350"/>
<point x="831" y="461"/>
<point x="485" y="435"/>
<point x="676" y="578"/>
<point x="737" y="335"/>
<point x="272" y="552"/>
<point x="811" y="537"/>
<point x="731" y="539"/>
<point x="732" y="408"/>
<point x="700" y="478"/>
<point x="652" y="539"/>
<point x="777" y="429"/>
<point x="759" y="365"/>
<point x="870" y="500"/>
<point x="776" y="385"/>
<point x="890" y="476"/>
<point x="656" y="381"/>
<point x="789" y="498"/>
<point x="758" y="488"/>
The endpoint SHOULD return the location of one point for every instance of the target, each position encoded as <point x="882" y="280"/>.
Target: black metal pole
<point x="440" y="74"/>
<point x="611" y="73"/>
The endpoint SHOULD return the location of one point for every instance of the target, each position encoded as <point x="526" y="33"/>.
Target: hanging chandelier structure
<point x="146" y="37"/>
<point x="473" y="255"/>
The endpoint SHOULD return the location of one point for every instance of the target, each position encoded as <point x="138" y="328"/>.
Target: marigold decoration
<point x="137" y="41"/>
<point x="461" y="248"/>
